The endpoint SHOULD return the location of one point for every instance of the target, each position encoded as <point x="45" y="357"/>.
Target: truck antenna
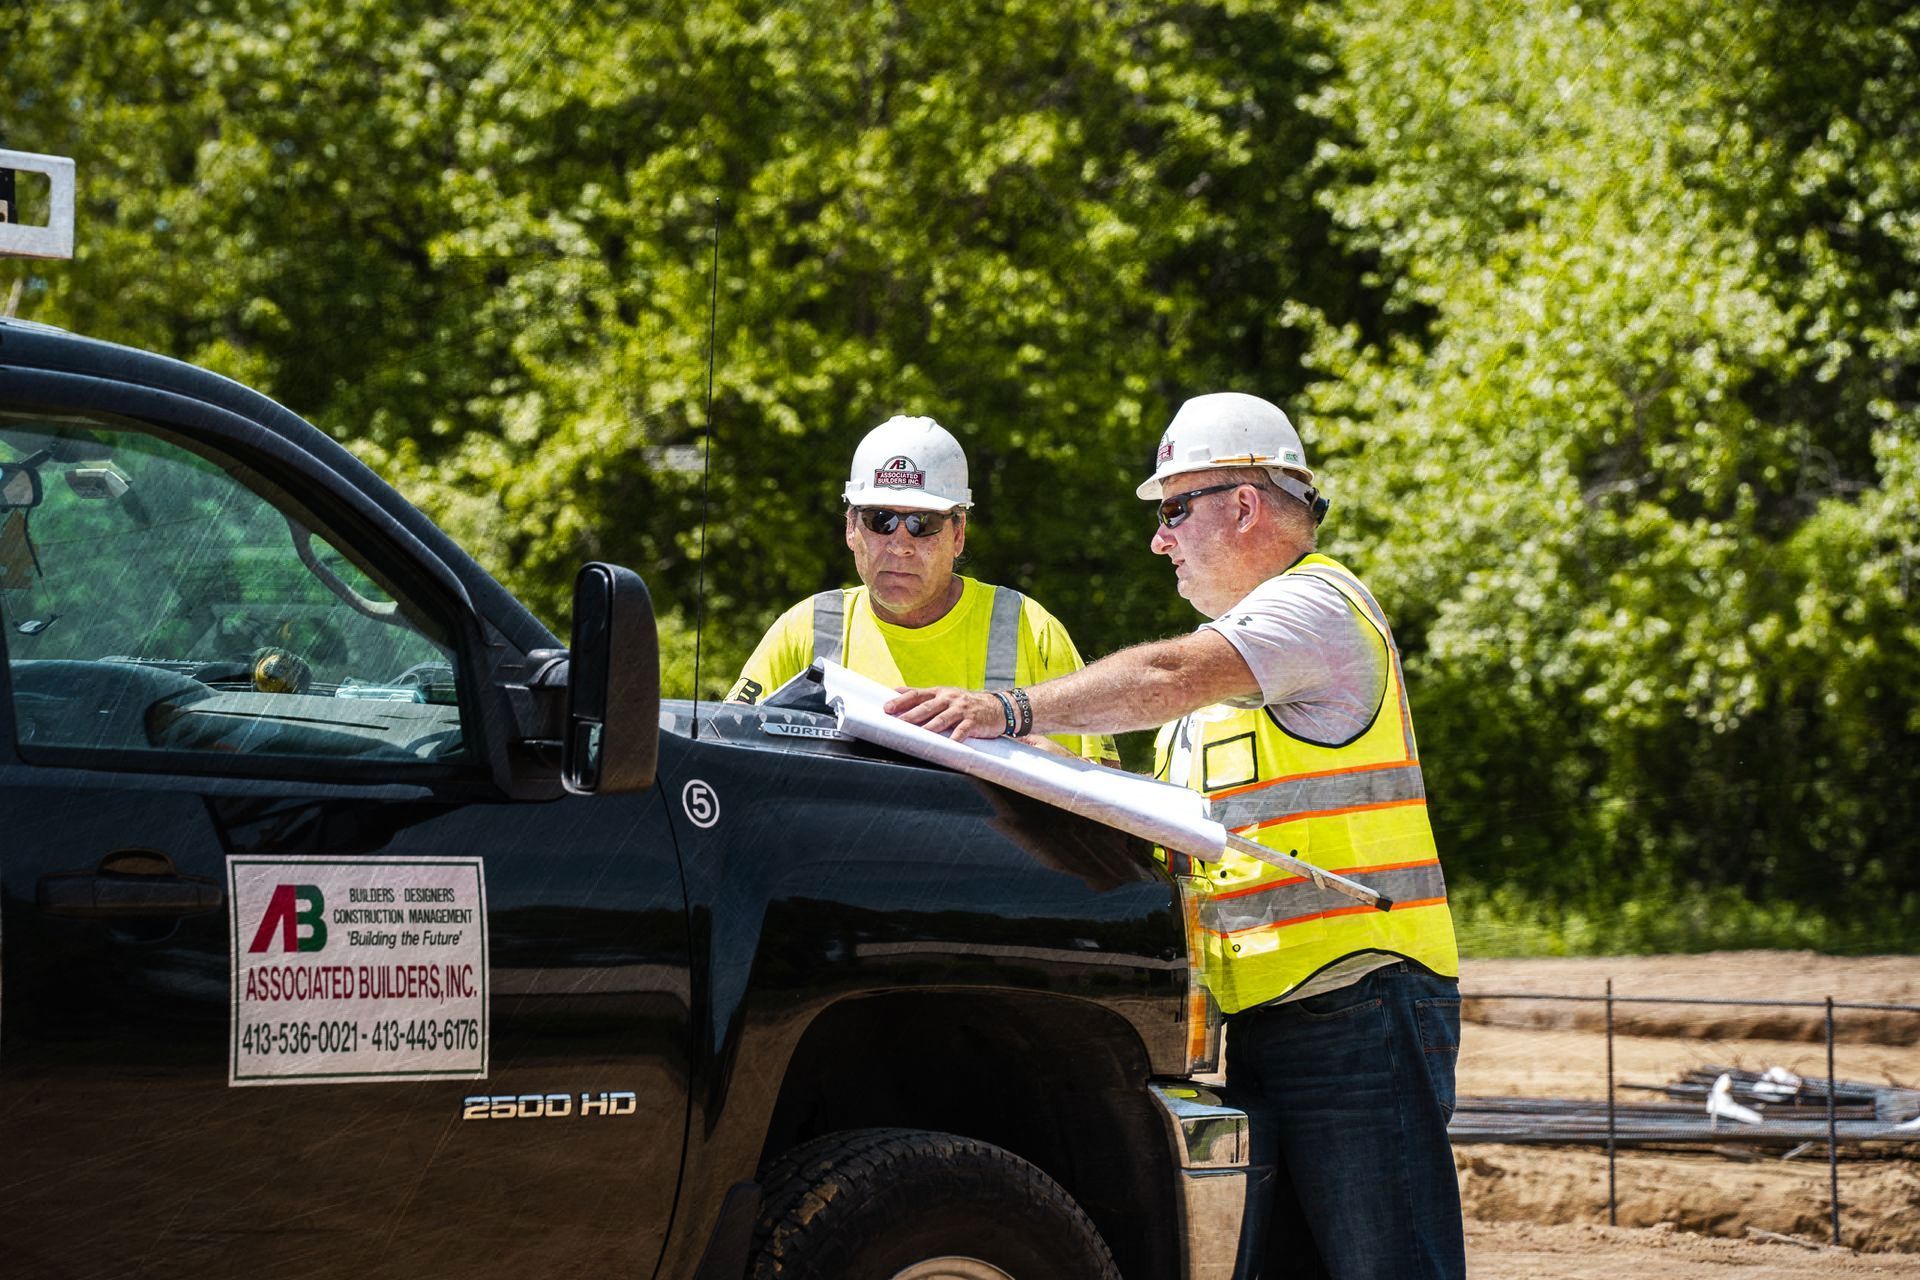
<point x="706" y="470"/>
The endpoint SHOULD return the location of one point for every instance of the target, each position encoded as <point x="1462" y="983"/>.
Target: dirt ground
<point x="1732" y="1213"/>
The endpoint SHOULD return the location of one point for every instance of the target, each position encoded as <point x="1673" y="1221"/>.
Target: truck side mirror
<point x="19" y="487"/>
<point x="612" y="741"/>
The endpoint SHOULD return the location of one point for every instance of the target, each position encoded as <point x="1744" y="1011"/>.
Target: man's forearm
<point x="1137" y="688"/>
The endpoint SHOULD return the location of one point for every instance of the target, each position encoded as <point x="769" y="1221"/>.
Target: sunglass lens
<point x="920" y="524"/>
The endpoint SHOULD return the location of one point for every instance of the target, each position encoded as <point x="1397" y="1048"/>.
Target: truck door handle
<point x="117" y="891"/>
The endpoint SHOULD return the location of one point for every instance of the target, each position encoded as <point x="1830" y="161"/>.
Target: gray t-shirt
<point x="1321" y="668"/>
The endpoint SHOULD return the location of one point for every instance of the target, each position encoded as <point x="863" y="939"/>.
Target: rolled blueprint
<point x="1171" y="816"/>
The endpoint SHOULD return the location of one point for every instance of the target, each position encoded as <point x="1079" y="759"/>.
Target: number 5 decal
<point x="700" y="802"/>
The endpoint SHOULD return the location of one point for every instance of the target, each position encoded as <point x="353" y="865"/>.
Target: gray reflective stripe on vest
<point x="1003" y="633"/>
<point x="1318" y="795"/>
<point x="1291" y="901"/>
<point x="1003" y="639"/>
<point x="829" y="624"/>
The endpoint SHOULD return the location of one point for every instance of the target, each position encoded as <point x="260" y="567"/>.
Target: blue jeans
<point x="1349" y="1094"/>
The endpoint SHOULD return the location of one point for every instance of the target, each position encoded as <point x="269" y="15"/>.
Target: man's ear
<point x="1251" y="508"/>
<point x="959" y="532"/>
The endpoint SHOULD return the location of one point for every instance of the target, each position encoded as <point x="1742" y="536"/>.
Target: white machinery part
<point x="55" y="239"/>
<point x="1721" y="1106"/>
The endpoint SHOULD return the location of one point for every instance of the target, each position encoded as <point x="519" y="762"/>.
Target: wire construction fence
<point x="1709" y="1106"/>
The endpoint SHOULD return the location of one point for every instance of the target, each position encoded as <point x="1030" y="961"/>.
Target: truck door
<point x="290" y="987"/>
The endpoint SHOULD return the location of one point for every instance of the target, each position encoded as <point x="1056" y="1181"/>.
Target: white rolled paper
<point x="1171" y="816"/>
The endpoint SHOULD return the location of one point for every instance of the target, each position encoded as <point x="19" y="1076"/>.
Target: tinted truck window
<point x="154" y="599"/>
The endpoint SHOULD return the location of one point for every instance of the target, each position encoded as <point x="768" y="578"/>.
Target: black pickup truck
<point x="351" y="927"/>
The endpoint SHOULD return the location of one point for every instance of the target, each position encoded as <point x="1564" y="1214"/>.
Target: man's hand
<point x="955" y="713"/>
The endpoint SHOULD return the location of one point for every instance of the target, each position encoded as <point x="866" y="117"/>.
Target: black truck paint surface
<point x="784" y="937"/>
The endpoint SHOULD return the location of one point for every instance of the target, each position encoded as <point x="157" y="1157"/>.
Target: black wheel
<point x="902" y="1204"/>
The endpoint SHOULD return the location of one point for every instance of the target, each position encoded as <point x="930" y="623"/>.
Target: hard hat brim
<point x="902" y="499"/>
<point x="1154" y="487"/>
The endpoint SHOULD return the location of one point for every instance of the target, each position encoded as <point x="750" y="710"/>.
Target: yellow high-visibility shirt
<point x="951" y="650"/>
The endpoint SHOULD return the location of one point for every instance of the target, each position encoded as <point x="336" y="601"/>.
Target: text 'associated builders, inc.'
<point x="357" y="969"/>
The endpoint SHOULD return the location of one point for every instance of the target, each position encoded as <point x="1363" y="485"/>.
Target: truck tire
<point x="881" y="1204"/>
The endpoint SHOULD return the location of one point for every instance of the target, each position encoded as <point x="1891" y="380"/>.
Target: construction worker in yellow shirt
<point x="913" y="620"/>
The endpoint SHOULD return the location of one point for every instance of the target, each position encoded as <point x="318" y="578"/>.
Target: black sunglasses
<point x="920" y="524"/>
<point x="1174" y="510"/>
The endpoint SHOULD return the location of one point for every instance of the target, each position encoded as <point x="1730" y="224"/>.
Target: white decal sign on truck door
<point x="357" y="969"/>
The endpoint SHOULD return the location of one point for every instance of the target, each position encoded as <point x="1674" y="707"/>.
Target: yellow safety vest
<point x="1357" y="807"/>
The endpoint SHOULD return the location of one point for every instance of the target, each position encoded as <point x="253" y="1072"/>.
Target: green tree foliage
<point x="997" y="215"/>
<point x="1633" y="440"/>
<point x="1599" y="320"/>
<point x="473" y="242"/>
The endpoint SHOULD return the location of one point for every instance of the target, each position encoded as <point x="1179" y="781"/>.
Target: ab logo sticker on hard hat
<point x="900" y="473"/>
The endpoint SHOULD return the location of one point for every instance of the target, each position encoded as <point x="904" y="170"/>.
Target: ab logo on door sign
<point x="299" y="913"/>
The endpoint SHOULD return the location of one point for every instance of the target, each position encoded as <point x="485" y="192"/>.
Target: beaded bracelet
<point x="1006" y="709"/>
<point x="1026" y="713"/>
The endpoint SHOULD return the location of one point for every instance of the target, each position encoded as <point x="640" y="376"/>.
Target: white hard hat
<point x="1225" y="429"/>
<point x="912" y="464"/>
